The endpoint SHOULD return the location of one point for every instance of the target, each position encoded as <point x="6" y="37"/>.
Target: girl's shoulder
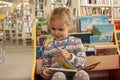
<point x="49" y="44"/>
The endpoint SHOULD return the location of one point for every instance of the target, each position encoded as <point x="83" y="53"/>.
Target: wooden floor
<point x="18" y="62"/>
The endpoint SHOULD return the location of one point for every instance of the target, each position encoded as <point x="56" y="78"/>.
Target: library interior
<point x="25" y="32"/>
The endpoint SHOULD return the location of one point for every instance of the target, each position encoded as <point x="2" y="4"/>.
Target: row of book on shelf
<point x="98" y="2"/>
<point x="86" y="23"/>
<point x="101" y="48"/>
<point x="98" y="49"/>
<point x="89" y="11"/>
<point x="54" y="1"/>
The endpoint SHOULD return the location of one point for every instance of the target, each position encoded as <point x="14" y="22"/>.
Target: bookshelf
<point x="96" y="7"/>
<point x="1" y="24"/>
<point x="71" y="4"/>
<point x="6" y="27"/>
<point x="39" y="8"/>
<point x="19" y="25"/>
<point x="110" y="8"/>
<point x="27" y="30"/>
<point x="44" y="7"/>
<point x="116" y="21"/>
<point x="58" y="3"/>
<point x="12" y="25"/>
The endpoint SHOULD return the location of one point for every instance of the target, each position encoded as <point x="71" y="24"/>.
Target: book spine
<point x="118" y="36"/>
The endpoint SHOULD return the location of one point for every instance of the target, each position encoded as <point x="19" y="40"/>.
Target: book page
<point x="64" y="62"/>
<point x="67" y="71"/>
<point x="63" y="70"/>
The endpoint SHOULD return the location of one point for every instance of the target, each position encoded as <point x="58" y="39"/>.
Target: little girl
<point x="70" y="47"/>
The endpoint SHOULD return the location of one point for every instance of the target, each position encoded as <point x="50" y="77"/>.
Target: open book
<point x="68" y="67"/>
<point x="87" y="68"/>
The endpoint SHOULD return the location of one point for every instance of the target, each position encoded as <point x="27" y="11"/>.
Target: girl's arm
<point x="79" y="57"/>
<point x="39" y="64"/>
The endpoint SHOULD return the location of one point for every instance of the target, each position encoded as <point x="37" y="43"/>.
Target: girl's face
<point x="59" y="30"/>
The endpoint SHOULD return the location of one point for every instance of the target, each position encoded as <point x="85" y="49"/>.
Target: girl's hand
<point x="46" y="74"/>
<point x="65" y="53"/>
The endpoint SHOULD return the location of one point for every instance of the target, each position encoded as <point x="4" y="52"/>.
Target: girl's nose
<point x="56" y="32"/>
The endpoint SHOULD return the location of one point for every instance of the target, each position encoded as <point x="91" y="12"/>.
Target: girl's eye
<point x="53" y="28"/>
<point x="60" y="29"/>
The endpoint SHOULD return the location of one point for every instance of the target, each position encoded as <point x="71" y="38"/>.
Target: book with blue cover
<point x="97" y="39"/>
<point x="88" y="21"/>
<point x="102" y="33"/>
<point x="84" y="36"/>
<point x="103" y="29"/>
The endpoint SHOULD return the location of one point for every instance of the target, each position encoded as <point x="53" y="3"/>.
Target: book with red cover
<point x="105" y="49"/>
<point x="117" y="25"/>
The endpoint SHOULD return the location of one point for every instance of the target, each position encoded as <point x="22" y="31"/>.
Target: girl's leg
<point x="58" y="76"/>
<point x="81" y="75"/>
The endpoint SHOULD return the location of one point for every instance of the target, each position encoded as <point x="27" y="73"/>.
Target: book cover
<point x="64" y="62"/>
<point x="117" y="25"/>
<point x="105" y="49"/>
<point x="39" y="51"/>
<point x="99" y="39"/>
<point x="119" y="45"/>
<point x="118" y="35"/>
<point x="84" y="36"/>
<point x="43" y="40"/>
<point x="88" y="21"/>
<point x="103" y="31"/>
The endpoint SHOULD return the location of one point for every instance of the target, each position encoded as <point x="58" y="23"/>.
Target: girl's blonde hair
<point x="63" y="15"/>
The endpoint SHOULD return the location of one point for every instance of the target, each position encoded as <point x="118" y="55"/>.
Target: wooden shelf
<point x="107" y="62"/>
